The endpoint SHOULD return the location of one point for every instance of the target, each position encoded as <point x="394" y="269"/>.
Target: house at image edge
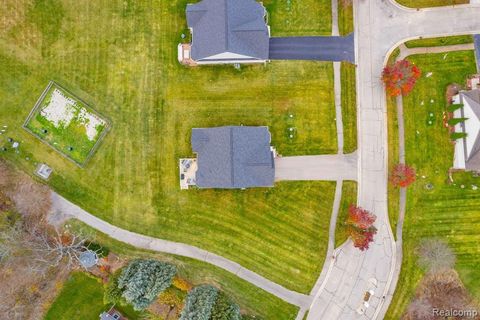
<point x="226" y="32"/>
<point x="467" y="149"/>
<point x="230" y="157"/>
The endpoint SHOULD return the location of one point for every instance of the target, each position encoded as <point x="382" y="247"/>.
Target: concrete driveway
<point x="313" y="48"/>
<point x="325" y="167"/>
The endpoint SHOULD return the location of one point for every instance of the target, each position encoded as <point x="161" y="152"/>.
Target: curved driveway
<point x="380" y="25"/>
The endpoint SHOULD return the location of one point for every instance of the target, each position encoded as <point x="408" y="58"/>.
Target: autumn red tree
<point x="362" y="238"/>
<point x="360" y="226"/>
<point x="360" y="217"/>
<point x="402" y="175"/>
<point x="400" y="78"/>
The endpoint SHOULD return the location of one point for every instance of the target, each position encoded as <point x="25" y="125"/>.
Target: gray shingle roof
<point x="472" y="161"/>
<point x="236" y="26"/>
<point x="233" y="157"/>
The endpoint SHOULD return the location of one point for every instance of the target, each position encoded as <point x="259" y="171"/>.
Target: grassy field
<point x="345" y="18"/>
<point x="430" y="3"/>
<point x="349" y="97"/>
<point x="122" y="56"/>
<point x="349" y="107"/>
<point x="82" y="298"/>
<point x="448" y="211"/>
<point x="251" y="299"/>
<point x="393" y="159"/>
<point x="349" y="196"/>
<point x="441" y="41"/>
<point x="299" y="18"/>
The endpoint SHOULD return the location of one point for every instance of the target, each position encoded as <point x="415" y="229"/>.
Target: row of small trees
<point x="360" y="222"/>
<point x="399" y="79"/>
<point x="206" y="302"/>
<point x="141" y="282"/>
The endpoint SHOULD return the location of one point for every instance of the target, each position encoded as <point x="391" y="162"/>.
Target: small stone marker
<point x="43" y="171"/>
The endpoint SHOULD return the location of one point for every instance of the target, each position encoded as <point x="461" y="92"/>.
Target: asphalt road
<point x="313" y="48"/>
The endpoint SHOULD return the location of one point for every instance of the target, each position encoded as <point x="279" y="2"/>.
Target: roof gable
<point x="471" y="126"/>
<point x="236" y="26"/>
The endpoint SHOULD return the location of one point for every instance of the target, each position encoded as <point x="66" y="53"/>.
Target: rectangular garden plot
<point x="67" y="124"/>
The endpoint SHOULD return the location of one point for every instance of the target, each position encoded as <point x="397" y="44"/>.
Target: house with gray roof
<point x="228" y="31"/>
<point x="233" y="157"/>
<point x="467" y="148"/>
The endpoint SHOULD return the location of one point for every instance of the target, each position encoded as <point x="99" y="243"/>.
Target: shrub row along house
<point x="226" y="32"/>
<point x="467" y="146"/>
<point x="230" y="157"/>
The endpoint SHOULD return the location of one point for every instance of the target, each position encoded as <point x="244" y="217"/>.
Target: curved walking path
<point x="65" y="207"/>
<point x="405" y="52"/>
<point x="380" y="26"/>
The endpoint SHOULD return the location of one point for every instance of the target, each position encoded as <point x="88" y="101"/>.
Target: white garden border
<point x="36" y="109"/>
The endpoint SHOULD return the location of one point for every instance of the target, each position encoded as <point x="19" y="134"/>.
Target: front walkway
<point x="476" y="39"/>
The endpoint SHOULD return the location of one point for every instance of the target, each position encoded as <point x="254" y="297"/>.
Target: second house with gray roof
<point x="230" y="157"/>
<point x="228" y="31"/>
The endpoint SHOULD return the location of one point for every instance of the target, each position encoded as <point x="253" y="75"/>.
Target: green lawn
<point x="441" y="41"/>
<point x="345" y="18"/>
<point x="349" y="107"/>
<point x="82" y="298"/>
<point x="447" y="211"/>
<point x="430" y="3"/>
<point x="393" y="159"/>
<point x="122" y="55"/>
<point x="299" y="18"/>
<point x="251" y="299"/>
<point x="349" y="196"/>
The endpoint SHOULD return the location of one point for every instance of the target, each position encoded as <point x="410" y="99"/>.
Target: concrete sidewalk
<point x="324" y="167"/>
<point x="60" y="205"/>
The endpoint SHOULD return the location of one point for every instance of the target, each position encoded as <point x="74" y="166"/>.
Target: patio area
<point x="184" y="57"/>
<point x="188" y="172"/>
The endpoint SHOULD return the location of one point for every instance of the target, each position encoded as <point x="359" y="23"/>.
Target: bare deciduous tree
<point x="435" y="255"/>
<point x="31" y="199"/>
<point x="420" y="309"/>
<point x="442" y="290"/>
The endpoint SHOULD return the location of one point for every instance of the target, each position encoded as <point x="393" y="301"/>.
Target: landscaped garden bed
<point x="66" y="123"/>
